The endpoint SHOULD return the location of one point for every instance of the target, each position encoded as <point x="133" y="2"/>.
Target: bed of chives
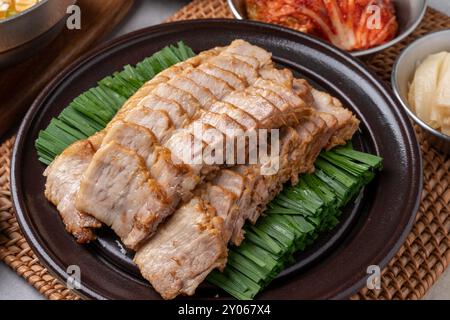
<point x="294" y="218"/>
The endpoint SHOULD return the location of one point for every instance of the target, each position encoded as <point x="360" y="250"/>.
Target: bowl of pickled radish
<point x="421" y="82"/>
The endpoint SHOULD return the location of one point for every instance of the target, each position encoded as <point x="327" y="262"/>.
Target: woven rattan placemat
<point x="415" y="268"/>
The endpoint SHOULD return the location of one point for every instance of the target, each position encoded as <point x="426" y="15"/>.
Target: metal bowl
<point x="25" y="33"/>
<point x="409" y="15"/>
<point x="403" y="72"/>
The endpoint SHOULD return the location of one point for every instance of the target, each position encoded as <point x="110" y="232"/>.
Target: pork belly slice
<point x="201" y="94"/>
<point x="265" y="105"/>
<point x="188" y="149"/>
<point x="281" y="76"/>
<point x="218" y="87"/>
<point x="246" y="59"/>
<point x="174" y="180"/>
<point x="286" y="94"/>
<point x="296" y="144"/>
<point x="186" y="100"/>
<point x="347" y="123"/>
<point x="290" y="112"/>
<point x="242" y="69"/>
<point x="224" y="203"/>
<point x="320" y="132"/>
<point x="323" y="137"/>
<point x="134" y="137"/>
<point x="314" y="134"/>
<point x="327" y="129"/>
<point x="158" y="121"/>
<point x="249" y="187"/>
<point x="258" y="107"/>
<point x="244" y="48"/>
<point x="118" y="190"/>
<point x="240" y="116"/>
<point x="233" y="80"/>
<point x="221" y="122"/>
<point x="184" y="250"/>
<point x="177" y="180"/>
<point x="266" y="187"/>
<point x="176" y="113"/>
<point x="61" y="187"/>
<point x="239" y="182"/>
<point x="251" y="179"/>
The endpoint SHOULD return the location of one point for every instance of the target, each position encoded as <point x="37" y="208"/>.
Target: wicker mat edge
<point x="414" y="269"/>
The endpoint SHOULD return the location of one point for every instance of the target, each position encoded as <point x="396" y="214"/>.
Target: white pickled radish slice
<point x="441" y="112"/>
<point x="425" y="84"/>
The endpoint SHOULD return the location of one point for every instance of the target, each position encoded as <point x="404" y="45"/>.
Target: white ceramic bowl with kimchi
<point x="363" y="27"/>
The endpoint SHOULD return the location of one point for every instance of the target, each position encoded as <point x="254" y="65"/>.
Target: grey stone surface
<point x="146" y="13"/>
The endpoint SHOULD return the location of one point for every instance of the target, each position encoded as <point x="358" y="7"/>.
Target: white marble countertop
<point x="146" y="13"/>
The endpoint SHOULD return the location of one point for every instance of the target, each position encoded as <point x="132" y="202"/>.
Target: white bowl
<point x="403" y="73"/>
<point x="409" y="15"/>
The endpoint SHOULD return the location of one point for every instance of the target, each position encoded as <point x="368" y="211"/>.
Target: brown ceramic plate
<point x="372" y="228"/>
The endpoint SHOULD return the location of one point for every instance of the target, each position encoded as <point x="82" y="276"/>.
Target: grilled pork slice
<point x="240" y="116"/>
<point x="243" y="48"/>
<point x="119" y="191"/>
<point x="266" y="113"/>
<point x="282" y="76"/>
<point x="63" y="181"/>
<point x="233" y="80"/>
<point x="188" y="149"/>
<point x="186" y="100"/>
<point x="224" y="203"/>
<point x="218" y="87"/>
<point x="158" y="121"/>
<point x="184" y="250"/>
<point x="134" y="137"/>
<point x="234" y="183"/>
<point x="176" y="113"/>
<point x="323" y="102"/>
<point x="175" y="181"/>
<point x="240" y="68"/>
<point x="347" y="122"/>
<point x="204" y="97"/>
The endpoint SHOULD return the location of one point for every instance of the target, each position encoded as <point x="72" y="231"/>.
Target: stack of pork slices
<point x="137" y="175"/>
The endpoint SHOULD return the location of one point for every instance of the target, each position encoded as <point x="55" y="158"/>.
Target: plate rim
<point x="15" y="174"/>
